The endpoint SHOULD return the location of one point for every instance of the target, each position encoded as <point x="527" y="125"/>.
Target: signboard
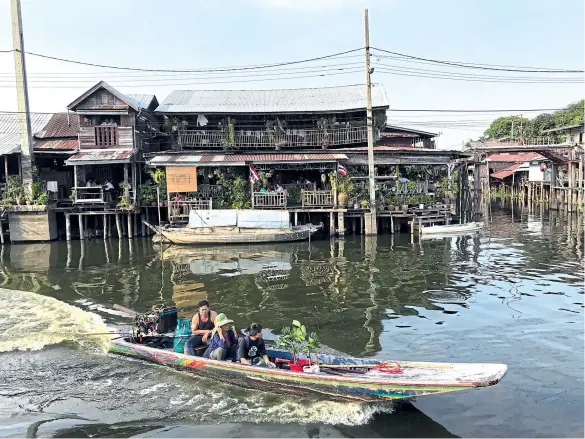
<point x="181" y="179"/>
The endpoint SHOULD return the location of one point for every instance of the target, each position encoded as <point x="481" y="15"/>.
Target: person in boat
<point x="251" y="348"/>
<point x="224" y="341"/>
<point x="202" y="326"/>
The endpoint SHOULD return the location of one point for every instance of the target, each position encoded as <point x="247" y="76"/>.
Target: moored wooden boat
<point x="339" y="378"/>
<point x="453" y="228"/>
<point x="232" y="235"/>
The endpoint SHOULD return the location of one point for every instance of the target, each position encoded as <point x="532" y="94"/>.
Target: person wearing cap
<point x="224" y="340"/>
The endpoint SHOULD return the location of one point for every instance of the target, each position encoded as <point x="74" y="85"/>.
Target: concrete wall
<point x="31" y="225"/>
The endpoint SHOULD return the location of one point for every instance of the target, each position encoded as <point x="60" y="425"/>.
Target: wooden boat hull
<point x="235" y="236"/>
<point x="417" y="379"/>
<point x="452" y="228"/>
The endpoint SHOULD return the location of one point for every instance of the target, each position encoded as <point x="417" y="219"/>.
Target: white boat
<point x="452" y="228"/>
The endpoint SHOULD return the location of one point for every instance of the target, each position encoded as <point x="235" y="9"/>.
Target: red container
<point x="299" y="364"/>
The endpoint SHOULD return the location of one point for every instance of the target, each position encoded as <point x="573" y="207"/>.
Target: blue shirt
<point x="217" y="342"/>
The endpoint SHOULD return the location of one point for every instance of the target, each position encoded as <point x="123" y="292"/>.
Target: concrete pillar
<point x="119" y="226"/>
<point x="341" y="223"/>
<point x="296" y="218"/>
<point x="392" y="224"/>
<point x="81" y="231"/>
<point x="68" y="226"/>
<point x="331" y="223"/>
<point x="105" y="227"/>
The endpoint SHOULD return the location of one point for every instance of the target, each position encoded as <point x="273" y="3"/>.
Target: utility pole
<point x="370" y="221"/>
<point x="26" y="144"/>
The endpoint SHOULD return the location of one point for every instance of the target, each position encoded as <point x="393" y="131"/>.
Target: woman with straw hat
<point x="224" y="339"/>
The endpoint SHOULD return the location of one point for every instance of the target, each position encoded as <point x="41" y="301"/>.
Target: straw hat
<point x="221" y="320"/>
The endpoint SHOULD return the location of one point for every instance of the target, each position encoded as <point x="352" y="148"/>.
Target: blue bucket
<point x="182" y="333"/>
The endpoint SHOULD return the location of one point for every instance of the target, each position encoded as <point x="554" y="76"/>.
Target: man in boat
<point x="251" y="348"/>
<point x="201" y="327"/>
<point x="224" y="341"/>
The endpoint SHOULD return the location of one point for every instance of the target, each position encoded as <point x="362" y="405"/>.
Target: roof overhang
<point x="101" y="157"/>
<point x="210" y="159"/>
<point x="102" y="112"/>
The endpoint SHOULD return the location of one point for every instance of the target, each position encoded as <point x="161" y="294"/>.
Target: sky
<point x="187" y="35"/>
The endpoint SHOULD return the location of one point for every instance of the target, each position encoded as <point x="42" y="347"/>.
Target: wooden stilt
<point x="119" y="226"/>
<point x="105" y="227"/>
<point x="68" y="226"/>
<point x="109" y="226"/>
<point x="124" y="227"/>
<point x="142" y="226"/>
<point x="392" y="224"/>
<point x="81" y="231"/>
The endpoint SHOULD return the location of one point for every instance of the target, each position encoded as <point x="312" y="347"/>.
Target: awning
<point x="101" y="157"/>
<point x="63" y="146"/>
<point x="500" y="175"/>
<point x="240" y="159"/>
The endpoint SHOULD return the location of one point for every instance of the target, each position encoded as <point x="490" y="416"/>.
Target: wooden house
<point x="293" y="135"/>
<point x="115" y="130"/>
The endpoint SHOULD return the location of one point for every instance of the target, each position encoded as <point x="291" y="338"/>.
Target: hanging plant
<point x="228" y="129"/>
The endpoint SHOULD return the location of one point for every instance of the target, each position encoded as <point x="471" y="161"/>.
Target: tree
<point x="506" y="126"/>
<point x="543" y="121"/>
<point x="571" y="115"/>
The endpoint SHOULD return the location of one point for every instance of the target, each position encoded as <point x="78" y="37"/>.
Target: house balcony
<point x="289" y="138"/>
<point x="106" y="136"/>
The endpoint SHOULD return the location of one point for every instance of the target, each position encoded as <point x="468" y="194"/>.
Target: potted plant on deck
<point x="295" y="341"/>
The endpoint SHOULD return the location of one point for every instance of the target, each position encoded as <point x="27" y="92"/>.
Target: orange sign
<point x="181" y="179"/>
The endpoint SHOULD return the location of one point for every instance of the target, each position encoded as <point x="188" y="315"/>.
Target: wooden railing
<point x="210" y="190"/>
<point x="264" y="139"/>
<point x="269" y="200"/>
<point x="89" y="194"/>
<point x="179" y="210"/>
<point x="301" y="186"/>
<point x="317" y="199"/>
<point x="106" y="136"/>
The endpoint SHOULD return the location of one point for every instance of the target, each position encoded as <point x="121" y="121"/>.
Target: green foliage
<point x="147" y="193"/>
<point x="15" y="190"/>
<point x="507" y="126"/>
<point x="34" y="191"/>
<point x="293" y="194"/>
<point x="276" y="130"/>
<point x="236" y="194"/>
<point x="296" y="340"/>
<point x="42" y="199"/>
<point x="160" y="178"/>
<point x="228" y="128"/>
<point x="572" y="114"/>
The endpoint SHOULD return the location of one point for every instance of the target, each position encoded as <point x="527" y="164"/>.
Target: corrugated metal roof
<point x="60" y="125"/>
<point x="10" y="131"/>
<point x="302" y="100"/>
<point x="388" y="130"/>
<point x="102" y="156"/>
<point x="507" y="172"/>
<point x="56" y="144"/>
<point x="240" y="159"/>
<point x="514" y="158"/>
<point x="143" y="100"/>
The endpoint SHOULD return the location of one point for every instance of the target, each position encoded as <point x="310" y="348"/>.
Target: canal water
<point x="513" y="294"/>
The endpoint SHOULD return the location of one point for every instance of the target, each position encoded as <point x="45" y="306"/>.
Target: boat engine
<point x="157" y="321"/>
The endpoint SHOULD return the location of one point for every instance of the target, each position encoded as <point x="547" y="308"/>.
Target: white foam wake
<point x="30" y="321"/>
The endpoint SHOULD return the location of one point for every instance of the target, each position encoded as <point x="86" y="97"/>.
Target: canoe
<point x="233" y="235"/>
<point x="452" y="228"/>
<point x="339" y="378"/>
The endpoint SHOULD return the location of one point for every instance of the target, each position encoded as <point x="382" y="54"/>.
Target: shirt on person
<point x="216" y="342"/>
<point x="250" y="349"/>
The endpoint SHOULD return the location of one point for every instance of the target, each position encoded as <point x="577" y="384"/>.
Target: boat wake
<point x="30" y="321"/>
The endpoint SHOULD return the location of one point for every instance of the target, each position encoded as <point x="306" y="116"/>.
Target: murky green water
<point x="513" y="294"/>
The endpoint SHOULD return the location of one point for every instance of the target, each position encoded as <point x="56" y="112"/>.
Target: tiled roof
<point x="240" y="159"/>
<point x="60" y="125"/>
<point x="302" y="100"/>
<point x="514" y="158"/>
<point x="102" y="156"/>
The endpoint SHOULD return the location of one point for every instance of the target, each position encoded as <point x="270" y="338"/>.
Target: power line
<point x="229" y="69"/>
<point x="480" y="66"/>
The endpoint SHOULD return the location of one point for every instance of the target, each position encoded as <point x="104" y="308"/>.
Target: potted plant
<point x="42" y="199"/>
<point x="364" y="204"/>
<point x="294" y="340"/>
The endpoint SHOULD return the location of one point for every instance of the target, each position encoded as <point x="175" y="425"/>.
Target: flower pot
<point x="356" y="206"/>
<point x="342" y="199"/>
<point x="404" y="207"/>
<point x="421" y="206"/>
